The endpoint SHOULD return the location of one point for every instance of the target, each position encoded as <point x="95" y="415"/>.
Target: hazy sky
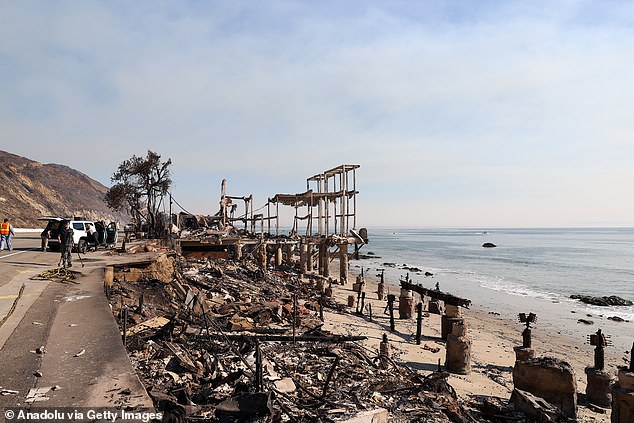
<point x="472" y="113"/>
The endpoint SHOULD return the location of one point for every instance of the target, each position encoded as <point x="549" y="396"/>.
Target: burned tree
<point x="139" y="185"/>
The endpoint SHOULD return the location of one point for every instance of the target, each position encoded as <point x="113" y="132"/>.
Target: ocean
<point x="529" y="268"/>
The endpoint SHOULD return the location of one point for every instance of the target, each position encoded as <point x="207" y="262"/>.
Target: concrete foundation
<point x="436" y="307"/>
<point x="523" y="353"/>
<point x="452" y="311"/>
<point x="626" y="379"/>
<point x="622" y="404"/>
<point x="458" y="358"/>
<point x="551" y="379"/>
<point x="447" y="323"/>
<point x="598" y="388"/>
<point x="623" y="397"/>
<point x="406" y="304"/>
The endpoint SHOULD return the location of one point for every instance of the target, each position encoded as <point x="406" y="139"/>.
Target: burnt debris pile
<point x="224" y="341"/>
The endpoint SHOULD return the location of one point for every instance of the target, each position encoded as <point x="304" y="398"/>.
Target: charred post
<point x="419" y="322"/>
<point x="384" y="353"/>
<point x="599" y="381"/>
<point x="390" y="305"/>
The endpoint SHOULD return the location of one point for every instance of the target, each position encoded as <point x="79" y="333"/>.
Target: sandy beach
<point x="493" y="338"/>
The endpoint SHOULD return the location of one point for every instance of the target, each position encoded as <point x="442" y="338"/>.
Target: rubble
<point x="217" y="343"/>
<point x="228" y="324"/>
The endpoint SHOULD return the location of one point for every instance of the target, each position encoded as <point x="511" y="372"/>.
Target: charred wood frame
<point x="323" y="226"/>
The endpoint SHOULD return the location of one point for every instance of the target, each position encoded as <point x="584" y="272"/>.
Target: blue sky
<point x="483" y="114"/>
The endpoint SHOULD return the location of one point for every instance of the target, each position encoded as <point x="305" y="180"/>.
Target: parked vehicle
<point x="107" y="235"/>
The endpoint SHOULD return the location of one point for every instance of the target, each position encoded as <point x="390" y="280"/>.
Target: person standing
<point x="6" y="233"/>
<point x="92" y="233"/>
<point x="66" y="244"/>
<point x="45" y="235"/>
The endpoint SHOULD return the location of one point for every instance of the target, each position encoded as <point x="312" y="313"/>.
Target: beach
<point x="493" y="337"/>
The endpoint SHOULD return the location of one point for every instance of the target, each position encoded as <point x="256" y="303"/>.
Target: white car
<point x="106" y="235"/>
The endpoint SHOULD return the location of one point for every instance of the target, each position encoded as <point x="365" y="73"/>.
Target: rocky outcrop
<point x="612" y="300"/>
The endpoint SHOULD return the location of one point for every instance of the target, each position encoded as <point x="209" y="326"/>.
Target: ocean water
<point x="545" y="265"/>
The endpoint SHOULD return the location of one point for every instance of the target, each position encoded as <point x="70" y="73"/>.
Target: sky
<point x="460" y="113"/>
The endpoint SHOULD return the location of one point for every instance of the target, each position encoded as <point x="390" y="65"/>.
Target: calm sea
<point x="545" y="264"/>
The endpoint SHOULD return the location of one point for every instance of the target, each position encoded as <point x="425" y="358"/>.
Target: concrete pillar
<point x="458" y="357"/>
<point x="452" y="311"/>
<point x="598" y="387"/>
<point x="343" y="264"/>
<point x="381" y="291"/>
<point x="447" y="323"/>
<point x="278" y="255"/>
<point x="288" y="254"/>
<point x="406" y="304"/>
<point x="451" y="317"/>
<point x="238" y="255"/>
<point x="303" y="257"/>
<point x="351" y="301"/>
<point x="436" y="307"/>
<point x="263" y="257"/>
<point x="108" y="274"/>
<point x="623" y="398"/>
<point x="523" y="353"/>
<point x="324" y="260"/>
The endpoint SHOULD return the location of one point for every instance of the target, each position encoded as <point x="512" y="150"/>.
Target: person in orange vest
<point x="6" y="233"/>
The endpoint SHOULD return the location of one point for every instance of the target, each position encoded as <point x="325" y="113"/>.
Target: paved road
<point x="65" y="318"/>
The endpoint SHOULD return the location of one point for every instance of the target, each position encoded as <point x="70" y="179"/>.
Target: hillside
<point x="31" y="190"/>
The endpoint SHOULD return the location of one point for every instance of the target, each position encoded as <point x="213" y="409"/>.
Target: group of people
<point x="6" y="235"/>
<point x="65" y="236"/>
<point x="66" y="242"/>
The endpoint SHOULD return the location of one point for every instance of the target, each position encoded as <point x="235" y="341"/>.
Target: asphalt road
<point x="65" y="318"/>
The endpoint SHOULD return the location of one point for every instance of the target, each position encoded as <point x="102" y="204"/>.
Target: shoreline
<point x="493" y="338"/>
<point x="561" y="317"/>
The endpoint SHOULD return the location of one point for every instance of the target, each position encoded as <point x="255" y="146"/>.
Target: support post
<point x="278" y="256"/>
<point x="263" y="256"/>
<point x="390" y="304"/>
<point x="343" y="263"/>
<point x="258" y="367"/>
<point x="419" y="322"/>
<point x="303" y="256"/>
<point x="294" y="315"/>
<point x="384" y="353"/>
